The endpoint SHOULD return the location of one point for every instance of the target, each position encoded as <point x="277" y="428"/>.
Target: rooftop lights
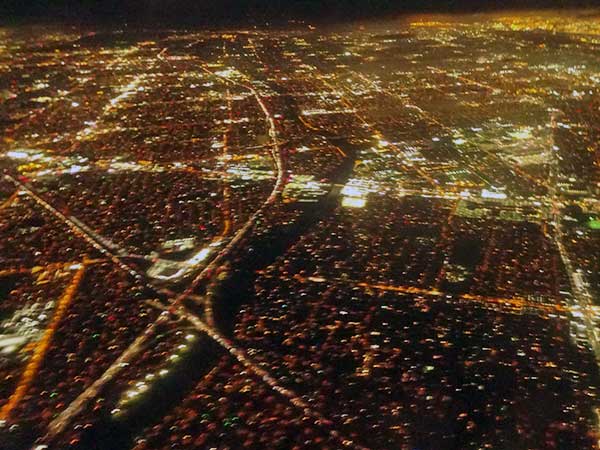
<point x="485" y="193"/>
<point x="75" y="169"/>
<point x="23" y="154"/>
<point x="352" y="191"/>
<point x="226" y="73"/>
<point x="524" y="133"/>
<point x="198" y="257"/>
<point x="354" y="202"/>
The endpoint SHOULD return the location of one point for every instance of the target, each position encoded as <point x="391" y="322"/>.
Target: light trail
<point x="9" y="201"/>
<point x="516" y="302"/>
<point x="340" y="151"/>
<point x="444" y="243"/>
<point x="48" y="267"/>
<point x="33" y="366"/>
<point x="429" y="117"/>
<point x="482" y="268"/>
<point x="225" y="207"/>
<point x="362" y="119"/>
<point x="582" y="295"/>
<point x="226" y="186"/>
<point x="207" y="302"/>
<point x="465" y="79"/>
<point x="125" y="92"/>
<point x="59" y="424"/>
<point x="275" y="192"/>
<point x="67" y="94"/>
<point x="75" y="228"/>
<point x="10" y="272"/>
<point x="243" y="359"/>
<point x="307" y="124"/>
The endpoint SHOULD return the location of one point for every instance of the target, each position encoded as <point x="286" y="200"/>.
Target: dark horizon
<point x="225" y="12"/>
<point x="375" y="228"/>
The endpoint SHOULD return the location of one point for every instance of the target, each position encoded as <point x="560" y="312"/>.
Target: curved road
<point x="66" y="416"/>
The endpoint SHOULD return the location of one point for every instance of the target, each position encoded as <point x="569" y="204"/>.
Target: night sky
<point x="207" y="11"/>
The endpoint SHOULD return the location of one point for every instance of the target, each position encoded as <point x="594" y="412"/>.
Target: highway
<point x="60" y="423"/>
<point x="76" y="227"/>
<point x="515" y="303"/>
<point x="243" y="359"/>
<point x="43" y="345"/>
<point x="249" y="225"/>
<point x="581" y="293"/>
